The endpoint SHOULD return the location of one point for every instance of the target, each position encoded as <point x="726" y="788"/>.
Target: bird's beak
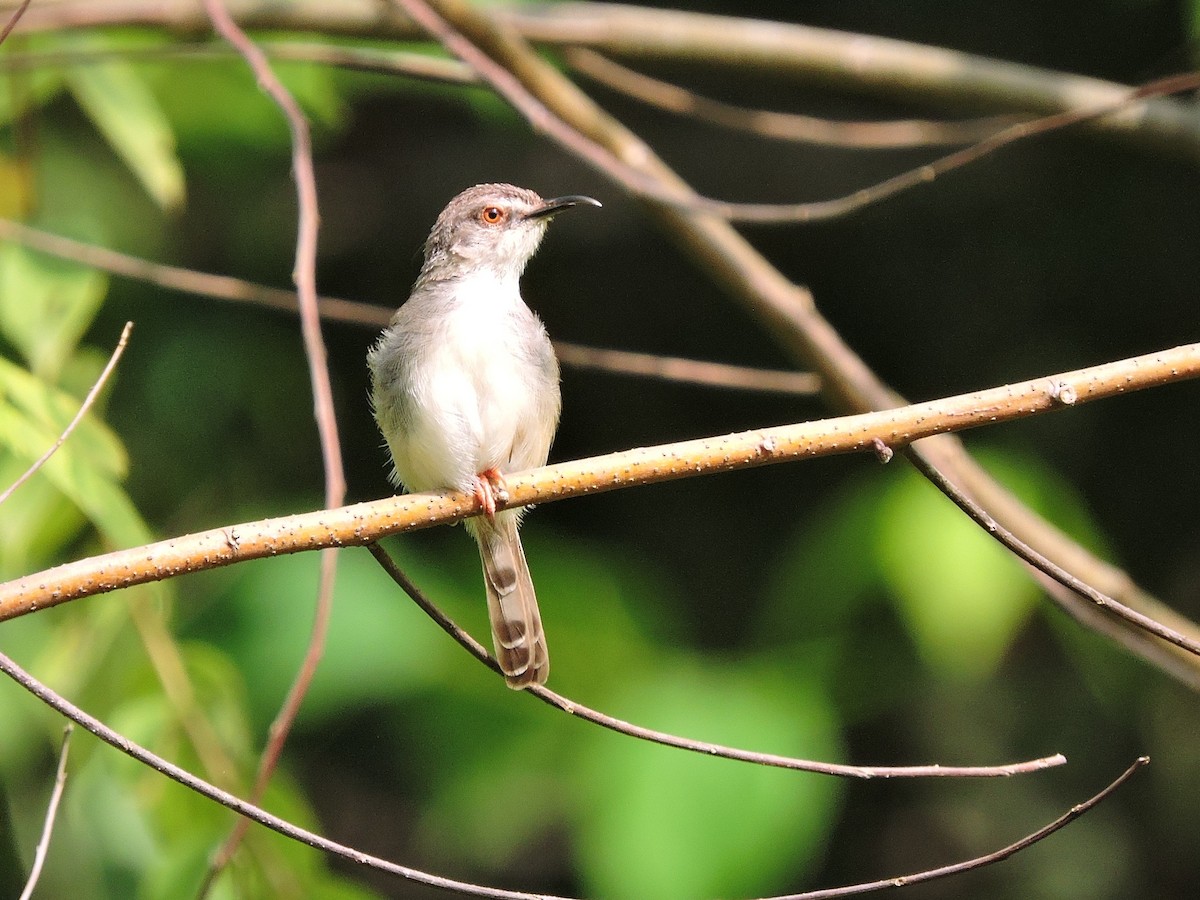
<point x="558" y="204"/>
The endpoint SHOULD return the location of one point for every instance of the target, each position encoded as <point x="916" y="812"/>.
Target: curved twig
<point x="87" y="403"/>
<point x="305" y="276"/>
<point x="241" y="807"/>
<point x="1003" y="853"/>
<point x="287" y="829"/>
<point x="482" y="43"/>
<point x="353" y="312"/>
<point x="43" y="846"/>
<point x="558" y="701"/>
<point x="865" y="135"/>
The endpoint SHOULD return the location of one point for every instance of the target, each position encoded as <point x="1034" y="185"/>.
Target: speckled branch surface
<point x="362" y="523"/>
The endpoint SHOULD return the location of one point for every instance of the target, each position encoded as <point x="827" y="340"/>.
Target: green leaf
<point x="658" y="822"/>
<point x="123" y="108"/>
<point x="86" y="469"/>
<point x="32" y="87"/>
<point x="962" y="596"/>
<point x="37" y="522"/>
<point x="46" y="305"/>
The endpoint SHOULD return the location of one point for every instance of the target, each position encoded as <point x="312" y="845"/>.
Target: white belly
<point x="479" y="401"/>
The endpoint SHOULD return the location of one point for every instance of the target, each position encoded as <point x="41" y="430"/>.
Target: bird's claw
<point x="490" y="489"/>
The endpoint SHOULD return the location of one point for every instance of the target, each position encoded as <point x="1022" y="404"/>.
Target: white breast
<point x="477" y="393"/>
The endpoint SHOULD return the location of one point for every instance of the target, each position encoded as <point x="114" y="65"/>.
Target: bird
<point x="465" y="388"/>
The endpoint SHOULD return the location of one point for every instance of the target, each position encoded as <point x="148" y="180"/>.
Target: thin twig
<point x="363" y="59"/>
<point x="311" y="839"/>
<point x="867" y="63"/>
<point x="43" y="847"/>
<point x="13" y="20"/>
<point x="88" y="401"/>
<point x="352" y="312"/>
<point x="363" y="523"/>
<point x="980" y="861"/>
<point x="865" y="135"/>
<point x="688" y="371"/>
<point x="787" y="309"/>
<point x="188" y="281"/>
<point x="450" y="20"/>
<point x="305" y="276"/>
<point x="1023" y="551"/>
<point x="241" y="807"/>
<point x="558" y="701"/>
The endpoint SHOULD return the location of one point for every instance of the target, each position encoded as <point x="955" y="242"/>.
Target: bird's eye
<point x="492" y="215"/>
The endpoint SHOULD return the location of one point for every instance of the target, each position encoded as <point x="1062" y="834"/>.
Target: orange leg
<point x="490" y="487"/>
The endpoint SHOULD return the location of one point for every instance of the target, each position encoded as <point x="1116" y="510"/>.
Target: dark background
<point x="679" y="606"/>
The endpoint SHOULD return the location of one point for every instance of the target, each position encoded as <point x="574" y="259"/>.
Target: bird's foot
<point x="490" y="488"/>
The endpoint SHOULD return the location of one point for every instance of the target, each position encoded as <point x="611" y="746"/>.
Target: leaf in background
<point x="822" y="582"/>
<point x="16" y="186"/>
<point x="27" y="89"/>
<point x="219" y="103"/>
<point x="315" y="89"/>
<point x="122" y="106"/>
<point x="87" y="469"/>
<point x="34" y="414"/>
<point x="37" y="522"/>
<point x="45" y="306"/>
<point x="379" y="645"/>
<point x="663" y="823"/>
<point x="962" y="596"/>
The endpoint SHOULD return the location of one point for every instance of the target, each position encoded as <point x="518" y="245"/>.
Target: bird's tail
<point x="512" y="605"/>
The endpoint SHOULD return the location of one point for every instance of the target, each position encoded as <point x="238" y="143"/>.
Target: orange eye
<point x="492" y="215"/>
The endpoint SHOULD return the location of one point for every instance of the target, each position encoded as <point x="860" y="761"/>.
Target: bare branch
<point x="88" y="401"/>
<point x="352" y="312"/>
<point x="980" y="861"/>
<point x="287" y="829"/>
<point x="363" y="523"/>
<point x="189" y="281"/>
<point x="43" y="847"/>
<point x="865" y="135"/>
<point x="558" y="701"/>
<point x="305" y="276"/>
<point x="1023" y="551"/>
<point x="13" y="20"/>
<point x="879" y="66"/>
<point x="365" y="59"/>
<point x="788" y="309"/>
<point x="687" y="371"/>
<point x="241" y="807"/>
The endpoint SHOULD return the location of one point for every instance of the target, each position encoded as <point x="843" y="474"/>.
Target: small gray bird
<point x="465" y="389"/>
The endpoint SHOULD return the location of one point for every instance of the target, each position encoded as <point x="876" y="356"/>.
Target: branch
<point x="363" y="59"/>
<point x="788" y="310"/>
<point x="13" y="20"/>
<point x="1046" y="566"/>
<point x="88" y="401"/>
<point x="241" y="807"/>
<point x="43" y="847"/>
<point x="866" y="135"/>
<point x="687" y="371"/>
<point x="565" y="704"/>
<point x="503" y="60"/>
<point x="363" y="523"/>
<point x="867" y="63"/>
<point x="305" y="276"/>
<point x="294" y="832"/>
<point x="979" y="862"/>
<point x="352" y="312"/>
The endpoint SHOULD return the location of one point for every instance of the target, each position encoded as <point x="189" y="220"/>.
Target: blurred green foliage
<point x="874" y="624"/>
